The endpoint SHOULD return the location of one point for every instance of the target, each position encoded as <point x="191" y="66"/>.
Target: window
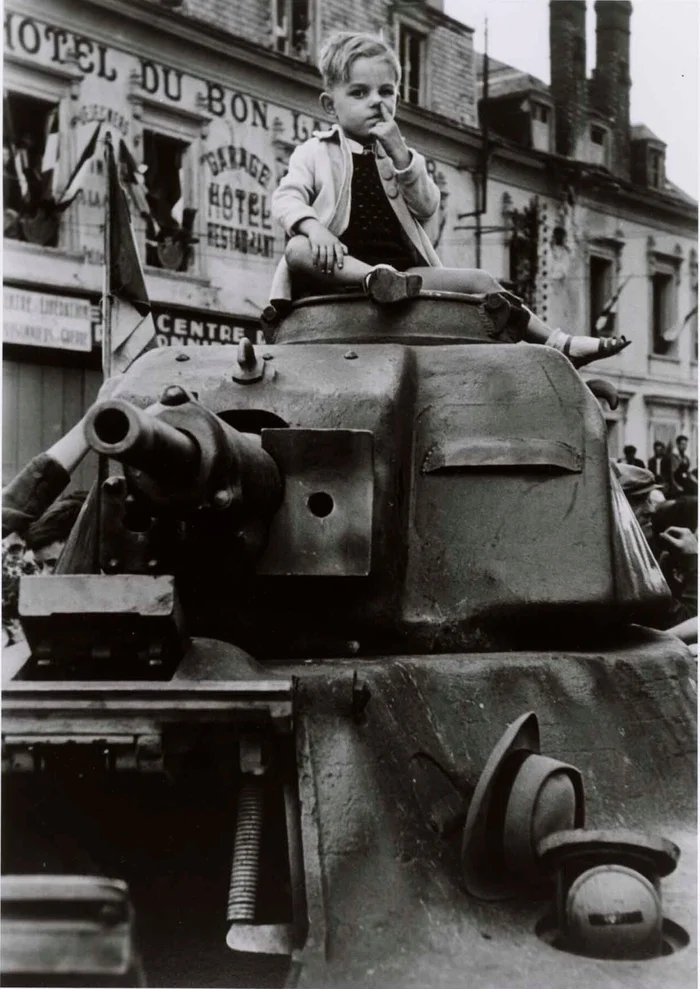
<point x="30" y="160"/>
<point x="662" y="293"/>
<point x="656" y="169"/>
<point x="663" y="432"/>
<point x="541" y="136"/>
<point x="411" y="57"/>
<point x="600" y="292"/>
<point x="292" y="27"/>
<point x="168" y="232"/>
<point x="599" y="140"/>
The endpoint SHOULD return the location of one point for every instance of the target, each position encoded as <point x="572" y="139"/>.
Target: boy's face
<point x="355" y="104"/>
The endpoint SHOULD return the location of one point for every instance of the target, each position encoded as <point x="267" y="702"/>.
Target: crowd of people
<point x="670" y="465"/>
<point x="663" y="497"/>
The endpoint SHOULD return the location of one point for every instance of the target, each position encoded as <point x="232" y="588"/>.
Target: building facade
<point x="212" y="96"/>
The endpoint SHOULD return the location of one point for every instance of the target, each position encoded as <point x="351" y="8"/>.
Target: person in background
<point x="630" y="457"/>
<point x="675" y="545"/>
<point x="36" y="487"/>
<point x="676" y="469"/>
<point x="638" y="485"/>
<point x="46" y="537"/>
<point x="656" y="462"/>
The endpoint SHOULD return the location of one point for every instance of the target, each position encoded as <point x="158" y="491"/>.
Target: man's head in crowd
<point x="637" y="484"/>
<point x="48" y="535"/>
<point x="630" y="453"/>
<point x="659" y="448"/>
<point x="682" y="444"/>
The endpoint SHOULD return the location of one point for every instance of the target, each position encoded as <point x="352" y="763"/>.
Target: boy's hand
<point x="327" y="251"/>
<point x="389" y="136"/>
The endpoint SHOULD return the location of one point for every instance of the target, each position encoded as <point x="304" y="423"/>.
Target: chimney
<point x="611" y="79"/>
<point x="567" y="53"/>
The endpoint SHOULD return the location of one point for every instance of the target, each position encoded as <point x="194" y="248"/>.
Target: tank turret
<point x="414" y="493"/>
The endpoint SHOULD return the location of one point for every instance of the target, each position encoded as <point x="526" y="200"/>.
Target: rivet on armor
<point x="174" y="395"/>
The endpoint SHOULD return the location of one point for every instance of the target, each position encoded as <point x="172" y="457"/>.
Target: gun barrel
<point x="138" y="439"/>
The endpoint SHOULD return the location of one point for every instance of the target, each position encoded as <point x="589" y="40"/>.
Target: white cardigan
<point x="318" y="186"/>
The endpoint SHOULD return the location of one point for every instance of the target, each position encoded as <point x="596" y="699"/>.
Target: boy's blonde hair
<point x="341" y="49"/>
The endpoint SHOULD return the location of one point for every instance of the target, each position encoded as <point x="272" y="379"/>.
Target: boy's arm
<point x="419" y="192"/>
<point x="291" y="200"/>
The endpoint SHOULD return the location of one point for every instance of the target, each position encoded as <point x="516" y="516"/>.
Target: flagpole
<point x="107" y="270"/>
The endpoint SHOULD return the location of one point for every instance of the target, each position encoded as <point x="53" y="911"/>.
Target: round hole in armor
<point x="111" y="426"/>
<point x="320" y="504"/>
<point x="136" y="519"/>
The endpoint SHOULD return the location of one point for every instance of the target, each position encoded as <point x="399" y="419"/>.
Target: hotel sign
<point x="35" y="319"/>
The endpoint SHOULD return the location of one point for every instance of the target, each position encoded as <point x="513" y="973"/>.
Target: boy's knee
<point x="297" y="254"/>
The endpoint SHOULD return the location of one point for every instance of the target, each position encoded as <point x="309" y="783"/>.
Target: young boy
<point x="357" y="203"/>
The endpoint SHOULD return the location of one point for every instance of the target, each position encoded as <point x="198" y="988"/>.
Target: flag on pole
<point x="132" y="330"/>
<point x="20" y="159"/>
<point x="671" y="334"/>
<point x="75" y="182"/>
<point x="176" y="211"/>
<point x="49" y="161"/>
<point x="604" y="321"/>
<point x="133" y="178"/>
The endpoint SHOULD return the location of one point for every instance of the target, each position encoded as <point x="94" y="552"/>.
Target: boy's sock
<point x="385" y="285"/>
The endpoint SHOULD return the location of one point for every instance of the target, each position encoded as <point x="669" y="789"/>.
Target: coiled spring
<point x="243" y="887"/>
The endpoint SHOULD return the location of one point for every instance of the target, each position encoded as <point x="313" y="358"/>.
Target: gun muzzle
<point x="140" y="440"/>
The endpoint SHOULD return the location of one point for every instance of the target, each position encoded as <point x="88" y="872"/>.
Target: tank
<point x="315" y="583"/>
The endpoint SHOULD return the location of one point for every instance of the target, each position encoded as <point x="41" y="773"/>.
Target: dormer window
<point x="598" y="144"/>
<point x="413" y="63"/>
<point x="291" y="24"/>
<point x="656" y="169"/>
<point x="540" y="115"/>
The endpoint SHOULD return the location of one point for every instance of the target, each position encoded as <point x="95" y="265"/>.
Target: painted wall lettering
<point x="26" y="35"/>
<point x="231" y="158"/>
<point x="160" y="80"/>
<point x="244" y="109"/>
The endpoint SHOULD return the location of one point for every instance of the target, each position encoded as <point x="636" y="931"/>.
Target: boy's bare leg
<point x="579" y="349"/>
<point x="382" y="283"/>
<point x="300" y="259"/>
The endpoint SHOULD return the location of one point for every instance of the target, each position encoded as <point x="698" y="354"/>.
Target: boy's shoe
<point x="385" y="285"/>
<point x="607" y="347"/>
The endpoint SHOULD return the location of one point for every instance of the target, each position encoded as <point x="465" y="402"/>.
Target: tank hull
<point x="385" y="904"/>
